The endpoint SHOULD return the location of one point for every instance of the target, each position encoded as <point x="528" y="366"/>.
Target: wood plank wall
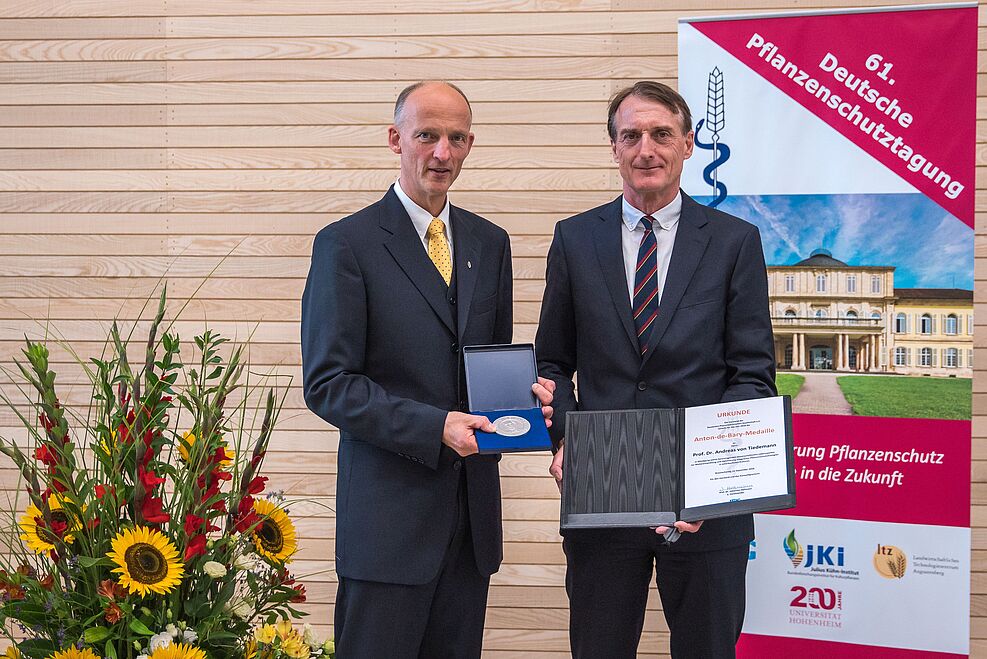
<point x="142" y="138"/>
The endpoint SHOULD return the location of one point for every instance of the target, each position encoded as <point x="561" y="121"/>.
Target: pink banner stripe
<point x="921" y="468"/>
<point x="756" y="646"/>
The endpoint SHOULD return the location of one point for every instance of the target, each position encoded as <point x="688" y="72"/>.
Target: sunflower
<point x="72" y="653"/>
<point x="39" y="543"/>
<point x="177" y="651"/>
<point x="147" y="561"/>
<point x="11" y="653"/>
<point x="189" y="439"/>
<point x="274" y="536"/>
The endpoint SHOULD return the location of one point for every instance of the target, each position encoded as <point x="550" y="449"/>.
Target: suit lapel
<point x="690" y="244"/>
<point x="611" y="257"/>
<point x="405" y="246"/>
<point x="467" y="252"/>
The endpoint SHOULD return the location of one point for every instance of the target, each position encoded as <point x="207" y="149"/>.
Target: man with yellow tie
<point x="394" y="291"/>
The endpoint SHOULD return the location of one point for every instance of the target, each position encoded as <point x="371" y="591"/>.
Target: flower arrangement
<point x="146" y="534"/>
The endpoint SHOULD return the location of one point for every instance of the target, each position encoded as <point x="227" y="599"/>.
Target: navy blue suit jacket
<point x="382" y="362"/>
<point x="710" y="343"/>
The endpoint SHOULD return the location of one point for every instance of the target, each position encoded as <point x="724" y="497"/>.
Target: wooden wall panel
<point x="207" y="143"/>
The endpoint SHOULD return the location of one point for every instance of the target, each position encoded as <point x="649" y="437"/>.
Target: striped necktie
<point x="645" y="303"/>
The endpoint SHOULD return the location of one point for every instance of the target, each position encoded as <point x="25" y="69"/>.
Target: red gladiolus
<point x="220" y="506"/>
<point x="152" y="512"/>
<point x="46" y="455"/>
<point x="299" y="595"/>
<point x="193" y="523"/>
<point x="45" y="421"/>
<point x="196" y="547"/>
<point x="246" y="517"/>
<point x="59" y="527"/>
<point x="256" y="486"/>
<point x="149" y="478"/>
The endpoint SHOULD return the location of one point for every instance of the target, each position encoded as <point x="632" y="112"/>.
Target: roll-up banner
<point x="848" y="138"/>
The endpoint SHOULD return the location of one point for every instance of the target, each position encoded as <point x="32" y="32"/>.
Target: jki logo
<point x="823" y="555"/>
<point x="820" y="555"/>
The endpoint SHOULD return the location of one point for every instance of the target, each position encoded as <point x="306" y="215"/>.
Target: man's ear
<point x="393" y="139"/>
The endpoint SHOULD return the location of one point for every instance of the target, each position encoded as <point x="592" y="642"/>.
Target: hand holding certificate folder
<point x="639" y="468"/>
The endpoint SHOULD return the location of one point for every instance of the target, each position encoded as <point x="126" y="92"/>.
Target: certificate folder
<point x="498" y="384"/>
<point x="640" y="468"/>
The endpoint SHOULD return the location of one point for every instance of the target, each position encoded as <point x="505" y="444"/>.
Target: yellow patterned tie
<point x="438" y="249"/>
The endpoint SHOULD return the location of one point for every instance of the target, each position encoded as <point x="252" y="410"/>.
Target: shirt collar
<point x="420" y="217"/>
<point x="666" y="217"/>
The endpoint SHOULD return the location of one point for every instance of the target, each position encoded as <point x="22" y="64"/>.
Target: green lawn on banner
<point x="921" y="397"/>
<point x="789" y="384"/>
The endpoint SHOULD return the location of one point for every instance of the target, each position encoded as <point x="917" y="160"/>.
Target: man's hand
<point x="556" y="467"/>
<point x="683" y="527"/>
<point x="544" y="390"/>
<point x="458" y="432"/>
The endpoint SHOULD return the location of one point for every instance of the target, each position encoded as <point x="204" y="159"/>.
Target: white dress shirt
<point x="632" y="232"/>
<point x="421" y="218"/>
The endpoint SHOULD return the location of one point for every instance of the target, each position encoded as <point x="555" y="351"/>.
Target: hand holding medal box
<point x="498" y="384"/>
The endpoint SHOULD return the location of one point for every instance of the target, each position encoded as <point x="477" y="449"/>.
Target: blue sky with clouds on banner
<point x="928" y="247"/>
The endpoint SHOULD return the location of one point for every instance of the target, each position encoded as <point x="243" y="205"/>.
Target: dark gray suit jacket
<point x="382" y="362"/>
<point x="711" y="342"/>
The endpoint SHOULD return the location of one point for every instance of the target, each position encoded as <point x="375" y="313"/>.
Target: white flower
<point x="308" y="635"/>
<point x="243" y="562"/>
<point x="159" y="641"/>
<point x="214" y="569"/>
<point x="189" y="636"/>
<point x="241" y="609"/>
<point x="142" y="656"/>
<point x="171" y="629"/>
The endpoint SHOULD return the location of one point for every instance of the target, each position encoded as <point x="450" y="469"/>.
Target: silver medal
<point x="512" y="426"/>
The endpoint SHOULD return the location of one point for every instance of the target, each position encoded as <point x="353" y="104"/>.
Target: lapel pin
<point x="469" y="264"/>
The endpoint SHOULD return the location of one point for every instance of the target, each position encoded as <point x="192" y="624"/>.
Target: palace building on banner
<point x="828" y="315"/>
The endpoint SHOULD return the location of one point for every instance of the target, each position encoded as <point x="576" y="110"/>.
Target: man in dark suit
<point x="393" y="293"/>
<point x="655" y="301"/>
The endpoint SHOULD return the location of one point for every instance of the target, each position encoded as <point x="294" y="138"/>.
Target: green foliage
<point x="908" y="397"/>
<point x="789" y="384"/>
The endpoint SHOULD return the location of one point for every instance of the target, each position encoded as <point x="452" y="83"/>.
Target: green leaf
<point x="88" y="561"/>
<point x="110" y="650"/>
<point x="140" y="628"/>
<point x="95" y="634"/>
<point x="37" y="648"/>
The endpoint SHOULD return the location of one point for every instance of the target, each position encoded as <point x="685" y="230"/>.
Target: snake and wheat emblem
<point x="714" y="122"/>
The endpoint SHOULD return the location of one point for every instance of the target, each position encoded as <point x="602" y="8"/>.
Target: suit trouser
<point x="607" y="579"/>
<point x="442" y="619"/>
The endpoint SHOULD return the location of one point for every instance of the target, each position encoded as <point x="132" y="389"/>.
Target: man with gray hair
<point x="655" y="301"/>
<point x="394" y="291"/>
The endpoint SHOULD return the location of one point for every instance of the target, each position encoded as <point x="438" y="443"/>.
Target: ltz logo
<point x="813" y="555"/>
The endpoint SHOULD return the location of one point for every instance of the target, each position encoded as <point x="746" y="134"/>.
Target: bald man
<point x="394" y="291"/>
